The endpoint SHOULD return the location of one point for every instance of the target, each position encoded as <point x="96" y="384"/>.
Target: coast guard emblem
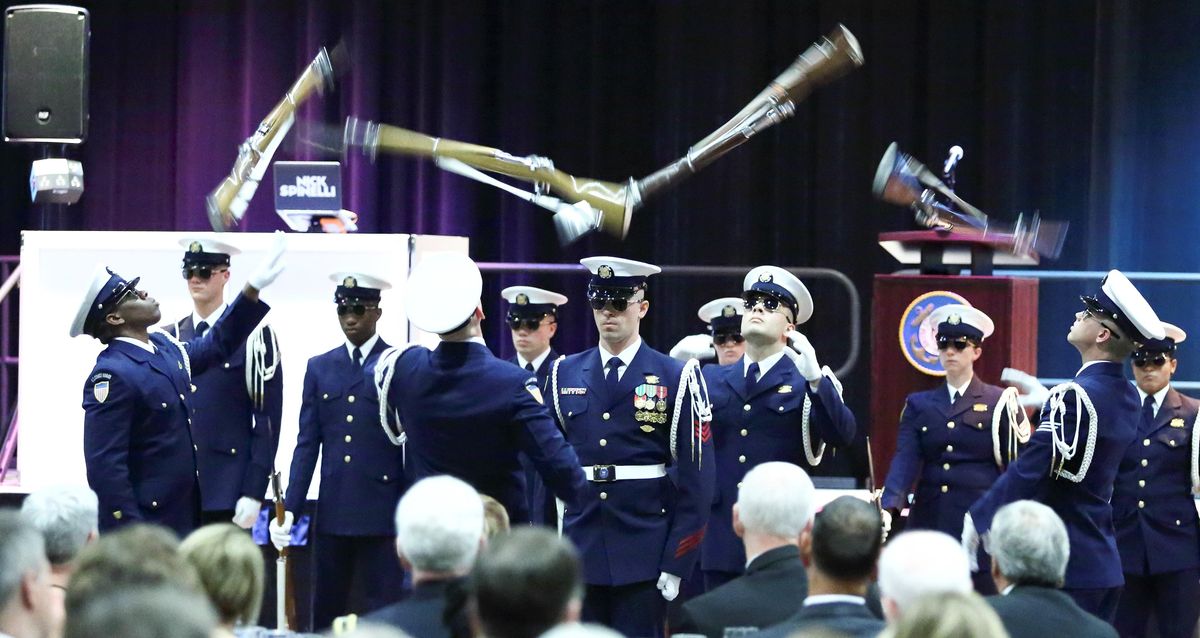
<point x="100" y="391"/>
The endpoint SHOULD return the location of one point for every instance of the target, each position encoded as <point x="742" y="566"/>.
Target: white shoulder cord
<point x="385" y="368"/>
<point x="1061" y="451"/>
<point x="258" y="371"/>
<point x="187" y="362"/>
<point x="554" y="390"/>
<point x="814" y="456"/>
<point x="1196" y="454"/>
<point x="1008" y="407"/>
<point x="693" y="382"/>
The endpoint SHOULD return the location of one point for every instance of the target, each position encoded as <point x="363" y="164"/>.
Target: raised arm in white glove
<point x="1033" y="393"/>
<point x="694" y="347"/>
<point x="269" y="269"/>
<point x="245" y="512"/>
<point x="805" y="357"/>
<point x="281" y="535"/>
<point x="970" y="542"/>
<point x="668" y="584"/>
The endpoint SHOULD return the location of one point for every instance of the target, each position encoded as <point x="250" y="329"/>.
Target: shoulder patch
<point x="100" y="391"/>
<point x="532" y="388"/>
<point x="100" y="376"/>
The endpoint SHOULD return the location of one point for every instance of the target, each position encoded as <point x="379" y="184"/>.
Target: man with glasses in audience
<point x="137" y="401"/>
<point x="362" y="473"/>
<point x="953" y="441"/>
<point x="238" y="404"/>
<point x="766" y="408"/>
<point x="533" y="318"/>
<point x="724" y="339"/>
<point x="639" y="421"/>
<point x="1086" y="426"/>
<point x="1158" y="530"/>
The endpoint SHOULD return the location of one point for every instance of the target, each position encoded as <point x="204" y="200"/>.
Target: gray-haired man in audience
<point x="28" y="606"/>
<point x="1029" y="547"/>
<point x="68" y="518"/>
<point x="917" y="564"/>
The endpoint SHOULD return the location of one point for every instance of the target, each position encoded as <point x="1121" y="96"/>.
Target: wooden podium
<point x="1012" y="303"/>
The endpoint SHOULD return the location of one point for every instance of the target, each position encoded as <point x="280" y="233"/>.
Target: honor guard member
<point x="955" y="440"/>
<point x="1158" y="531"/>
<point x="137" y="402"/>
<point x="776" y="403"/>
<point x="633" y="415"/>
<point x="362" y="474"/>
<point x="533" y="319"/>
<point x="1072" y="458"/>
<point x="238" y="405"/>
<point x="460" y="410"/>
<point x="724" y="340"/>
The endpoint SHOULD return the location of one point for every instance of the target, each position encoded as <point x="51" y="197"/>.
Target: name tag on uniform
<point x="785" y="389"/>
<point x="572" y="391"/>
<point x="1177" y="422"/>
<point x="980" y="407"/>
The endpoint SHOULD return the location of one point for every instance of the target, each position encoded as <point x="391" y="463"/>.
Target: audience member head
<point x="67" y="516"/>
<point x="948" y="615"/>
<point x="28" y="606"/>
<point x="775" y="504"/>
<point x="918" y="563"/>
<point x="581" y="630"/>
<point x="843" y="544"/>
<point x="495" y="517"/>
<point x="439" y="527"/>
<point x="1029" y="546"/>
<point x="143" y="611"/>
<point x="139" y="555"/>
<point x="524" y="583"/>
<point x="230" y="568"/>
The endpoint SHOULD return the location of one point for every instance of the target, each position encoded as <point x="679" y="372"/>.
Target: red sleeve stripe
<point x="689" y="543"/>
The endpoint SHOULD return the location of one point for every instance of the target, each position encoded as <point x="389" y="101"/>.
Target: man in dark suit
<point x="841" y="550"/>
<point x="238" y="404"/>
<point x="362" y="473"/>
<point x="533" y="319"/>
<point x="774" y="506"/>
<point x="1158" y="530"/>
<point x="460" y="410"/>
<point x="439" y="529"/>
<point x="1029" y="548"/>
<point x="137" y="425"/>
<point x="1072" y="459"/>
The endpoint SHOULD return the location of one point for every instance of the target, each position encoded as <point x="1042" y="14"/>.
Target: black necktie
<point x="751" y="378"/>
<point x="357" y="357"/>
<point x="953" y="397"/>
<point x="1147" y="413"/>
<point x="529" y="366"/>
<point x="612" y="375"/>
<point x="201" y="328"/>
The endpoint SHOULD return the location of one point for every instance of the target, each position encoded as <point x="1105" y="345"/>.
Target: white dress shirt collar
<point x="537" y="361"/>
<point x="210" y="319"/>
<point x="148" y="347"/>
<point x="763" y="366"/>
<point x="824" y="599"/>
<point x="626" y="356"/>
<point x="1159" y="397"/>
<point x="962" y="391"/>
<point x="365" y="348"/>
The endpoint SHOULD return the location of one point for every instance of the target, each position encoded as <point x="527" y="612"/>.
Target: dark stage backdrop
<point x="1086" y="111"/>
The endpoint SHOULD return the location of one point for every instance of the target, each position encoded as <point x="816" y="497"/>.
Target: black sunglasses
<point x="1143" y="359"/>
<point x="618" y="305"/>
<point x="770" y="303"/>
<point x="358" y="309"/>
<point x="203" y="272"/>
<point x="733" y="338"/>
<point x="528" y="323"/>
<point x="959" y="343"/>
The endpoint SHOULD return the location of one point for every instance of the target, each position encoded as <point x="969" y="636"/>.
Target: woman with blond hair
<point x="230" y="567"/>
<point x="948" y="615"/>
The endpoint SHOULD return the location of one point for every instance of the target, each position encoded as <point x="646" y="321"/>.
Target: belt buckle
<point x="604" y="473"/>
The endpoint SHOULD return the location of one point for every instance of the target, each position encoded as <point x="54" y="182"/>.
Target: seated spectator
<point x="29" y="607"/>
<point x="774" y="505"/>
<point x="140" y="611"/>
<point x="138" y="555"/>
<point x="917" y="563"/>
<point x="947" y="615"/>
<point x="230" y="568"/>
<point x="525" y="583"/>
<point x="1029" y="548"/>
<point x="581" y="630"/>
<point x="68" y="517"/>
<point x="841" y="550"/>
<point x="439" y="530"/>
<point x="495" y="517"/>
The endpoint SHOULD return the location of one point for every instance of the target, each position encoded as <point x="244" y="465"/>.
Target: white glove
<point x="806" y="363"/>
<point x="246" y="512"/>
<point x="887" y="522"/>
<point x="1033" y="393"/>
<point x="281" y="535"/>
<point x="694" y="347"/>
<point x="669" y="585"/>
<point x="270" y="267"/>
<point x="970" y="542"/>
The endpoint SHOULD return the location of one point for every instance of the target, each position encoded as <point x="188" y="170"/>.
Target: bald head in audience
<point x="918" y="563"/>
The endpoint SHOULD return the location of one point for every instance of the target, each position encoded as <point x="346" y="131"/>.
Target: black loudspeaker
<point x="46" y="73"/>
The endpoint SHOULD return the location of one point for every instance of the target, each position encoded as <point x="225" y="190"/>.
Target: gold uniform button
<point x="153" y="503"/>
<point x="742" y="459"/>
<point x="604" y="416"/>
<point x="385" y="477"/>
<point x="181" y="398"/>
<point x="1142" y="483"/>
<point x="949" y="448"/>
<point x="346" y="459"/>
<point x="164" y="405"/>
<point x="350" y="398"/>
<point x="945" y="466"/>
<point x="739" y="485"/>
<point x="924" y="429"/>
<point x="1145" y="442"/>
<point x="195" y="448"/>
<point x="1176" y="522"/>
<point x="349" y="418"/>
<point x="1141" y="504"/>
<point x="1145" y="462"/>
<point x="180" y="364"/>
<point x="226" y="365"/>
<point x="603" y="442"/>
<point x="949" y="424"/>
<point x="233" y="450"/>
<point x="348" y="438"/>
<point x="745" y="432"/>
<point x="1172" y="442"/>
<point x="781" y="408"/>
<point x="746" y="408"/>
<point x="604" y="496"/>
<point x="325" y="396"/>
<point x="945" y="488"/>
<point x="117" y="515"/>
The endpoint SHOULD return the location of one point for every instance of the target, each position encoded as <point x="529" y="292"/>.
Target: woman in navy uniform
<point x="533" y="319"/>
<point x="238" y="405"/>
<point x="955" y="440"/>
<point x="362" y="474"/>
<point x="1072" y="459"/>
<point x="639" y="421"/>
<point x="724" y="340"/>
<point x="1158" y="530"/>
<point x="137" y="426"/>
<point x="776" y="403"/>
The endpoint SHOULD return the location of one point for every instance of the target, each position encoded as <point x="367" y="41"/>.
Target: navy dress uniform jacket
<point x="468" y="414"/>
<point x="1155" y="517"/>
<point x="948" y="450"/>
<point x="137" y="431"/>
<point x="236" y="442"/>
<point x="628" y="531"/>
<point x="362" y="473"/>
<point x="1084" y="506"/>
<point x="772" y="429"/>
<point x="542" y="509"/>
